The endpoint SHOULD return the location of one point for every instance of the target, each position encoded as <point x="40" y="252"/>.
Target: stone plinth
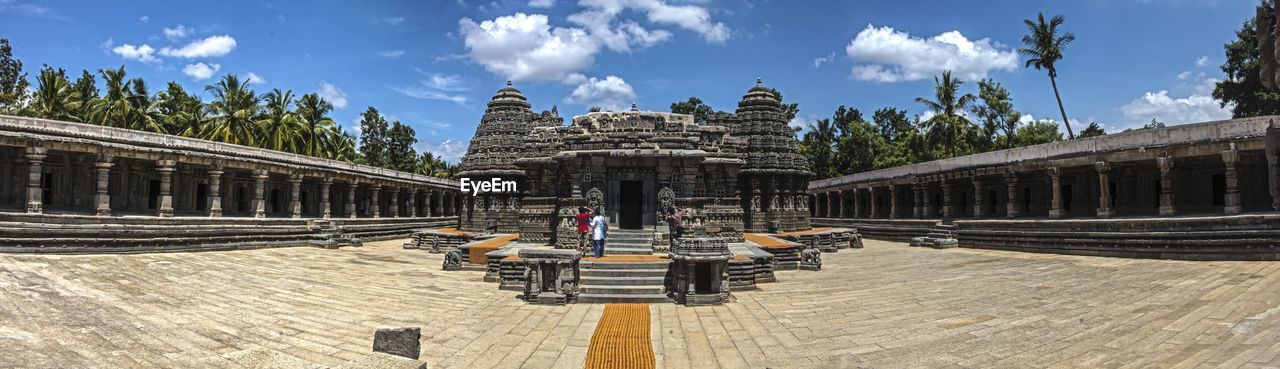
<point x="551" y="276"/>
<point x="398" y="341"/>
<point x="701" y="271"/>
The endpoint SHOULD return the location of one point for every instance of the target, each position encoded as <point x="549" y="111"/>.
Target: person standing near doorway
<point x="584" y="222"/>
<point x="599" y="232"/>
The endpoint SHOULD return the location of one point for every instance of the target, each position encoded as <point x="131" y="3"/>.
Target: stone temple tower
<point x="775" y="176"/>
<point x="492" y="154"/>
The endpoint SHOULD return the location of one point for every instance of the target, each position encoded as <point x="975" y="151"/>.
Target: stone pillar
<point x="857" y="202"/>
<point x="295" y="188"/>
<point x="102" y="198"/>
<point x="1055" y="184"/>
<point x="1231" y="199"/>
<point x="351" y="199"/>
<point x="215" y="192"/>
<point x="841" y="212"/>
<point x="326" y="210"/>
<point x="1272" y="147"/>
<point x="917" y="205"/>
<point x="35" y="176"/>
<point x="1165" y="164"/>
<point x="875" y="208"/>
<point x="165" y="168"/>
<point x="1013" y="208"/>
<point x="375" y="205"/>
<point x="259" y="193"/>
<point x="977" y="198"/>
<point x="833" y="206"/>
<point x="439" y="205"/>
<point x="394" y="209"/>
<point x="893" y="203"/>
<point x="946" y="201"/>
<point x="413" y="203"/>
<point x="1104" y="189"/>
<point x="926" y="207"/>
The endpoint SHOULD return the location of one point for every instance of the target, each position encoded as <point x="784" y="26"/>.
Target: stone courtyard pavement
<point x="887" y="305"/>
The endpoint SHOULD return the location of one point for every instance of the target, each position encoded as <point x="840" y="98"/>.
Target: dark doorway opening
<point x="1219" y="190"/>
<point x="631" y="205"/>
<point x="202" y="197"/>
<point x="153" y="194"/>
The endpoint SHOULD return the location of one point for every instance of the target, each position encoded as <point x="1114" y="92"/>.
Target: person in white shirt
<point x="599" y="232"/>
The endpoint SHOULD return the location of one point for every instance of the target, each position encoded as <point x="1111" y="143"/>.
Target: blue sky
<point x="434" y="64"/>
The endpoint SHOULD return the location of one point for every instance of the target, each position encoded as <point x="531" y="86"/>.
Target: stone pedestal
<point x="701" y="271"/>
<point x="551" y="276"/>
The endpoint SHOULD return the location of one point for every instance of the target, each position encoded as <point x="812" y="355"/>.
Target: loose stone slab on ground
<point x="887" y="305"/>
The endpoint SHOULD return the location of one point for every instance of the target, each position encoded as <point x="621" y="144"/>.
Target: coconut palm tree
<point x="1044" y="50"/>
<point x="947" y="105"/>
<point x="54" y="98"/>
<point x="141" y="114"/>
<point x="181" y="113"/>
<point x="113" y="108"/>
<point x="234" y="109"/>
<point x="281" y="128"/>
<point x="320" y="130"/>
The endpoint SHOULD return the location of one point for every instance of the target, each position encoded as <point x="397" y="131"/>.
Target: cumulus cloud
<point x="1160" y="106"/>
<point x="144" y="53"/>
<point x="200" y="71"/>
<point x="1202" y="61"/>
<point x="542" y="3"/>
<point x="176" y="33"/>
<point x="391" y="53"/>
<point x="333" y="94"/>
<point x="254" y="79"/>
<point x="690" y="17"/>
<point x="524" y="47"/>
<point x="212" y="46"/>
<point x="883" y="54"/>
<point x="144" y="19"/>
<point x="611" y="92"/>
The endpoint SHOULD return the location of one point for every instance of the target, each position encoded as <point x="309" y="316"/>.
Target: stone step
<point x="623" y="281"/>
<point x="628" y="251"/>
<point x="623" y="273"/>
<point x="635" y="299"/>
<point x="585" y="265"/>
<point x="623" y="290"/>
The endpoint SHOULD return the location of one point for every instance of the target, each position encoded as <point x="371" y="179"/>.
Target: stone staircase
<point x="332" y="234"/>
<point x="623" y="282"/>
<point x="629" y="242"/>
<point x="941" y="236"/>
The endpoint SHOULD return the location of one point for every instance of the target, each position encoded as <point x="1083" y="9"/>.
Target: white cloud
<point x="333" y="94"/>
<point x="448" y="150"/>
<point x="524" y="47"/>
<point x="200" y="71"/>
<point x="212" y="46"/>
<point x="643" y="37"/>
<point x="542" y="3"/>
<point x="819" y="61"/>
<point x="611" y="93"/>
<point x="883" y="54"/>
<point x="1184" y="75"/>
<point x="394" y="20"/>
<point x="436" y="87"/>
<point x="254" y="79"/>
<point x="144" y="19"/>
<point x="391" y="53"/>
<point x="144" y="53"/>
<point x="1202" y="61"/>
<point x="1159" y="105"/>
<point x="176" y="33"/>
<point x="690" y="17"/>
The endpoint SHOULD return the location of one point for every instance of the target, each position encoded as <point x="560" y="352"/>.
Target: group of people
<point x="593" y="225"/>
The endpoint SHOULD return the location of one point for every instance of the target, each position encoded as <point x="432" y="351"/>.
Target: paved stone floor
<point x="887" y="305"/>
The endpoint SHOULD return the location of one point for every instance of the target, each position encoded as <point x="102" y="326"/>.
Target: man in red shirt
<point x="583" y="217"/>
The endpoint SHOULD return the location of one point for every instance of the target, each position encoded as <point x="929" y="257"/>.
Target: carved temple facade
<point x="737" y="172"/>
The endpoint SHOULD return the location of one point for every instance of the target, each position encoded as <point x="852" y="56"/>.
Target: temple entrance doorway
<point x="631" y="205"/>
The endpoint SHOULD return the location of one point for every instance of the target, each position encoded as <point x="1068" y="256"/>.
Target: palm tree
<point x="281" y="127"/>
<point x="234" y="108"/>
<point x="112" y="109"/>
<point x="1044" y="49"/>
<point x="141" y="114"/>
<point x="947" y="106"/>
<point x="54" y="98"/>
<point x="319" y="130"/>
<point x="181" y="113"/>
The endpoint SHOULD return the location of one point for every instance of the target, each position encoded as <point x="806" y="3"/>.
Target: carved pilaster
<point x="1165" y="164"/>
<point x="1231" y="199"/>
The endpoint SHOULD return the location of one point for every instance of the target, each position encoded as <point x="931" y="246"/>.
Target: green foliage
<point x="595" y="109"/>
<point x="13" y="82"/>
<point x="790" y="110"/>
<point x="1094" y="129"/>
<point x="947" y="124"/>
<point x="694" y="107"/>
<point x="996" y="114"/>
<point x="1038" y="132"/>
<point x="400" y="153"/>
<point x="373" y="138"/>
<point x="1242" y="89"/>
<point x="1153" y="124"/>
<point x="53" y="98"/>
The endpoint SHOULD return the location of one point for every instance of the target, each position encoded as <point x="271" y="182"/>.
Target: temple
<point x="736" y="173"/>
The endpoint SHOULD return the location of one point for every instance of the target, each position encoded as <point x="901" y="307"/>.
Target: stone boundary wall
<point x="79" y="234"/>
<point x="1237" y="237"/>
